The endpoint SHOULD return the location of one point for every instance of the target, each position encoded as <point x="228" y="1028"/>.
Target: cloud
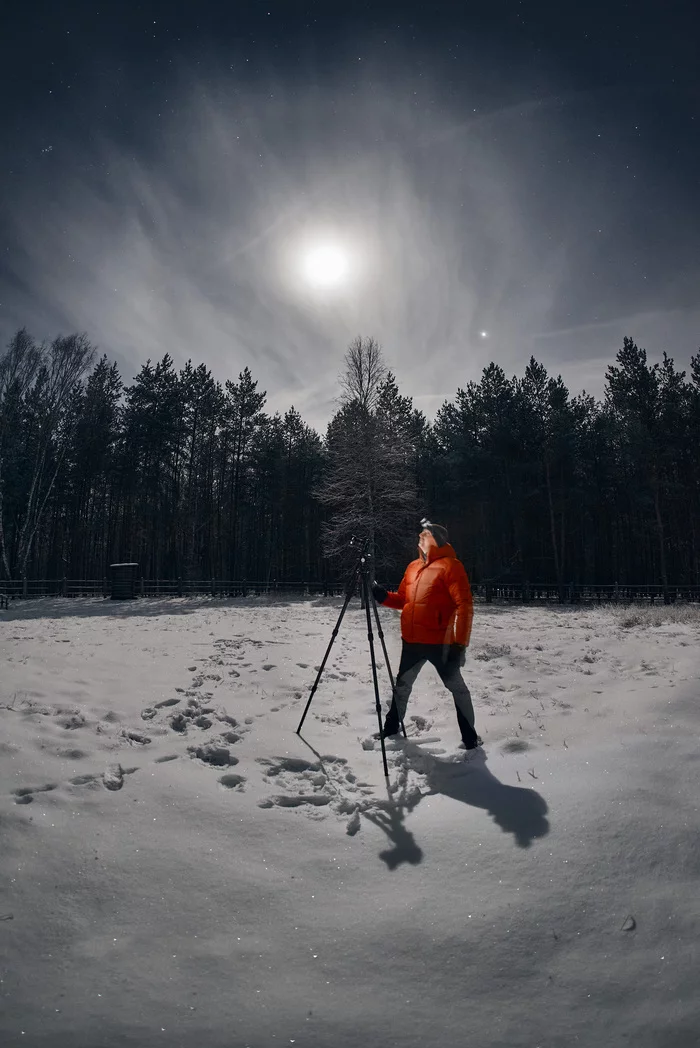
<point x="190" y="246"/>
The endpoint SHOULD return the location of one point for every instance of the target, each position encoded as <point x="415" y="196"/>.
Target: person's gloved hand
<point x="379" y="593"/>
<point x="456" y="653"/>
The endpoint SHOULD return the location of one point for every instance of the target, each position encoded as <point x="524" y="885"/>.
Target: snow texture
<point x="178" y="866"/>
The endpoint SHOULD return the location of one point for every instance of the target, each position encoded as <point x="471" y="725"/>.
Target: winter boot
<point x="391" y="724"/>
<point x="473" y="744"/>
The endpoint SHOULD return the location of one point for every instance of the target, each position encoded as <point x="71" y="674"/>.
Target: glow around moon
<point x="326" y="265"/>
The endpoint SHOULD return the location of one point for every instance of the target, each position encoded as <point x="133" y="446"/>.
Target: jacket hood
<point x="435" y="552"/>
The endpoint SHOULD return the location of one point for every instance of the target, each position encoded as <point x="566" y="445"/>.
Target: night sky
<point x="492" y="180"/>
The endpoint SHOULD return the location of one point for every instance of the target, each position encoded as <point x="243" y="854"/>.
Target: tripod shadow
<point x="390" y="818"/>
<point x="517" y="810"/>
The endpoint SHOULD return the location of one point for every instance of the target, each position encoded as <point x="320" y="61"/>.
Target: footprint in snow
<point x="71" y="721"/>
<point x="213" y="753"/>
<point x="288" y="800"/>
<point x="25" y="794"/>
<point x="82" y="780"/>
<point x="178" y="722"/>
<point x="112" y="778"/>
<point x="139" y="737"/>
<point x="314" y="785"/>
<point x="199" y="716"/>
<point x="421" y="723"/>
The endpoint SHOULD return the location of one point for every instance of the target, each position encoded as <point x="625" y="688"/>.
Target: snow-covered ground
<point x="178" y="867"/>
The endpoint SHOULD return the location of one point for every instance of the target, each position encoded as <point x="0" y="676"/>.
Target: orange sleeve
<point x="398" y="599"/>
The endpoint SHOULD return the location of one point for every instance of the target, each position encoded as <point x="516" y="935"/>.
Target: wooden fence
<point x="18" y="589"/>
<point x="521" y="593"/>
<point x="575" y="593"/>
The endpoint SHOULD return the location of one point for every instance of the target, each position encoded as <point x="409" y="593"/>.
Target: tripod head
<point x="363" y="564"/>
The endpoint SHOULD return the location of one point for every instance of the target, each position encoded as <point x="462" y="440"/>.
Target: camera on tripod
<point x="360" y="574"/>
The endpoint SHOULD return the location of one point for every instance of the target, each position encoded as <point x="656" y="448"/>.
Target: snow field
<point x="177" y="863"/>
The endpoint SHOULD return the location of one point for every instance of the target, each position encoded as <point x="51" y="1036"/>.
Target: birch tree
<point x="18" y="371"/>
<point x="43" y="378"/>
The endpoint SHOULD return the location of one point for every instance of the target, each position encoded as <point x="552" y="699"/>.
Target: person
<point x="436" y="607"/>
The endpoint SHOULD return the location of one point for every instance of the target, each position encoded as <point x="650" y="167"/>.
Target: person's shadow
<point x="516" y="809"/>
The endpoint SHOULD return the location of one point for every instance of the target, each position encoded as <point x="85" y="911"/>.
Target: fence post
<point x="179" y="587"/>
<point x="104" y="587"/>
<point x="213" y="588"/>
<point x="142" y="587"/>
<point x="24" y="586"/>
<point x="63" y="586"/>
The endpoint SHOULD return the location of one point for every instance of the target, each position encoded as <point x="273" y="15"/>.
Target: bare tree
<point x="364" y="373"/>
<point x="62" y="364"/>
<point x="18" y="370"/>
<point x="368" y="484"/>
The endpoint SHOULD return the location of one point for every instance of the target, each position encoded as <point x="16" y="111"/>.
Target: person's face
<point x="426" y="539"/>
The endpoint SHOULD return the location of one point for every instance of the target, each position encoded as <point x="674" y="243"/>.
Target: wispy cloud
<point x="194" y="248"/>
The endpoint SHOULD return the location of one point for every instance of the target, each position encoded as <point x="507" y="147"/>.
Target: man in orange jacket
<point x="436" y="606"/>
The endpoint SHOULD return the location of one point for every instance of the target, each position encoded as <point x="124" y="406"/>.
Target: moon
<point x="326" y="265"/>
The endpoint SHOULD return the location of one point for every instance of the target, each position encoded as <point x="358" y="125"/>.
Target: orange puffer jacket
<point x="435" y="599"/>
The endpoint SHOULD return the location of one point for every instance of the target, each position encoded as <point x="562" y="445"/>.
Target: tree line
<point x="194" y="479"/>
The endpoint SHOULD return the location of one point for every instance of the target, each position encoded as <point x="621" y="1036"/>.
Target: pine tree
<point x="633" y="395"/>
<point x="148" y="466"/>
<point x="243" y="418"/>
<point x="87" y="489"/>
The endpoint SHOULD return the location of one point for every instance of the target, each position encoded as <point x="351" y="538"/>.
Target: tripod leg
<point x="386" y="656"/>
<point x="348" y="597"/>
<point x="368" y="596"/>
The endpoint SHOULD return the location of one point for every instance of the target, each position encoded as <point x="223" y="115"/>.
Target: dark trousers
<point x="413" y="658"/>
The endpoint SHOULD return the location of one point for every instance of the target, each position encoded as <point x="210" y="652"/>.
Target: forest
<point x="192" y="478"/>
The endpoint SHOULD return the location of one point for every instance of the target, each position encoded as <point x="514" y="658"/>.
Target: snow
<point x="177" y="866"/>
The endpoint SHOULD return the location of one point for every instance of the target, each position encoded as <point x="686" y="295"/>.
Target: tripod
<point x="360" y="575"/>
